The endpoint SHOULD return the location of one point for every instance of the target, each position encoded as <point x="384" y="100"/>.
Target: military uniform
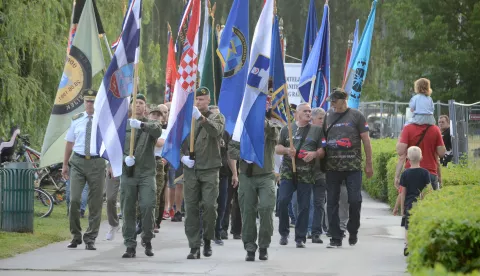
<point x="141" y="184"/>
<point x="85" y="167"/>
<point x="256" y="193"/>
<point x="201" y="181"/>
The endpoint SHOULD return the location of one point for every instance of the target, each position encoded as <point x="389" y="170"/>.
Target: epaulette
<point x="76" y="116"/>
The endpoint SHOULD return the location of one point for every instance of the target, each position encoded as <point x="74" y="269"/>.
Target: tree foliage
<point x="413" y="38"/>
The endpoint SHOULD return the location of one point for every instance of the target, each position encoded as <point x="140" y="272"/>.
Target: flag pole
<point x="134" y="109"/>
<point x="289" y="126"/>
<point x="107" y="45"/>
<point x="192" y="133"/>
<point x="310" y="99"/>
<point x="212" y="14"/>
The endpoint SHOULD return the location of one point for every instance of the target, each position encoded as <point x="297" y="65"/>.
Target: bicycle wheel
<point x="43" y="203"/>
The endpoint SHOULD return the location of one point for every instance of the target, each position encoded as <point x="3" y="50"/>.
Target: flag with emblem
<point x="233" y="51"/>
<point x="359" y="65"/>
<point x="83" y="62"/>
<point x="183" y="28"/>
<point x="277" y="74"/>
<point x="180" y="118"/>
<point x="113" y="98"/>
<point x="249" y="129"/>
<point x="171" y="70"/>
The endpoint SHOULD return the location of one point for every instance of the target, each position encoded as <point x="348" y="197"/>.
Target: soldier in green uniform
<point x="82" y="167"/>
<point x="202" y="174"/>
<point x="138" y="180"/>
<point x="256" y="193"/>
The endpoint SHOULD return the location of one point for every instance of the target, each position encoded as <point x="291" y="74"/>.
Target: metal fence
<point x="386" y="120"/>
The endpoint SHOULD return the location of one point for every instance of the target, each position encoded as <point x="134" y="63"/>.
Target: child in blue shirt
<point x="422" y="104"/>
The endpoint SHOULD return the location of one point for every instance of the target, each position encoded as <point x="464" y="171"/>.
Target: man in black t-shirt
<point x="444" y="124"/>
<point x="346" y="129"/>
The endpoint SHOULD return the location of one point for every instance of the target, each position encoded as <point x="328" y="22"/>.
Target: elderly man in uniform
<point x="138" y="179"/>
<point x="202" y="174"/>
<point x="84" y="167"/>
<point x="256" y="193"/>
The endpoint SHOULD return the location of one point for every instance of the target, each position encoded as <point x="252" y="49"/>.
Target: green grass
<point x="54" y="228"/>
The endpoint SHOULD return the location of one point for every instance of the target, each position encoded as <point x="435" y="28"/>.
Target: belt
<point x="87" y="157"/>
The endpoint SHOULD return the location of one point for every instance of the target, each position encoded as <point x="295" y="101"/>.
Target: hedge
<point x="441" y="271"/>
<point x="382" y="151"/>
<point x="445" y="229"/>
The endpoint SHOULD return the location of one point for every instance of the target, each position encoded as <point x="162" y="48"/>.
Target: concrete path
<point x="378" y="252"/>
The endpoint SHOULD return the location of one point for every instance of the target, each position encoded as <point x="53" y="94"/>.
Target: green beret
<point x="89" y="94"/>
<point x="202" y="91"/>
<point x="141" y="97"/>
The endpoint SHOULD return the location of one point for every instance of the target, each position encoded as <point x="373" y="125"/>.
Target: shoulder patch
<point x="76" y="116"/>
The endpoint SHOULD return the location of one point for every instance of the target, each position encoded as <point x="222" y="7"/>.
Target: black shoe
<point x="405" y="251"/>
<point x="177" y="217"/>
<point x="194" y="254"/>
<point x="263" y="254"/>
<point x="130" y="253"/>
<point x="250" y="256"/>
<point x="82" y="213"/>
<point x="207" y="248"/>
<point x="334" y="244"/>
<point x="237" y="236"/>
<point x="224" y="235"/>
<point x="74" y="243"/>
<point x="353" y="239"/>
<point x="218" y="241"/>
<point x="309" y="236"/>
<point x="148" y="249"/>
<point x="90" y="246"/>
<point x="300" y="244"/>
<point x="316" y="239"/>
<point x="284" y="240"/>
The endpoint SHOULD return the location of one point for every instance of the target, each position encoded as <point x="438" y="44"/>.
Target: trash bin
<point x="16" y="197"/>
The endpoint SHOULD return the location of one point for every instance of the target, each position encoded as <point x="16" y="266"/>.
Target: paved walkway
<point x="379" y="252"/>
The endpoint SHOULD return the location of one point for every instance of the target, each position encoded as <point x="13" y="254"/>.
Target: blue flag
<point x="358" y="70"/>
<point x="354" y="45"/>
<point x="310" y="32"/>
<point x="322" y="83"/>
<point x="313" y="71"/>
<point x="233" y="51"/>
<point x="250" y="127"/>
<point x="277" y="74"/>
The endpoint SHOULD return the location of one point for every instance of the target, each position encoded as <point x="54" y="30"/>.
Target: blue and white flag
<point x="233" y="51"/>
<point x="180" y="118"/>
<point x="111" y="105"/>
<point x="249" y="129"/>
<point x="359" y="63"/>
<point x="310" y="33"/>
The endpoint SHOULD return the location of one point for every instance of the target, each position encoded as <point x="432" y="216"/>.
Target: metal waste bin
<point x="16" y="197"/>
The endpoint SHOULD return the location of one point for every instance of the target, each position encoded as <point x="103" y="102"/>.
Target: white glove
<point x="196" y="113"/>
<point x="248" y="162"/>
<point x="134" y="123"/>
<point x="130" y="161"/>
<point x="188" y="162"/>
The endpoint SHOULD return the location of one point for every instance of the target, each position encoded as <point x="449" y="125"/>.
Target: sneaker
<point x="166" y="215"/>
<point x="405" y="250"/>
<point x="316" y="239"/>
<point x="352" y="239"/>
<point x="224" y="235"/>
<point x="177" y="217"/>
<point x="171" y="213"/>
<point x="218" y="241"/>
<point x="300" y="244"/>
<point x="111" y="233"/>
<point x="334" y="244"/>
<point x="284" y="240"/>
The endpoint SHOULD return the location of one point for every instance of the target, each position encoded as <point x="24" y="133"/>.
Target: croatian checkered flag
<point x="113" y="98"/>
<point x="180" y="118"/>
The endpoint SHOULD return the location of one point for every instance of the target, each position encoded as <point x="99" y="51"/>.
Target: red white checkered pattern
<point x="187" y="71"/>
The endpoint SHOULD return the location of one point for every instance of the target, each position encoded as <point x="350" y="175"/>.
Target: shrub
<point x="445" y="229"/>
<point x="390" y="180"/>
<point x="382" y="151"/>
<point x="455" y="175"/>
<point x="441" y="271"/>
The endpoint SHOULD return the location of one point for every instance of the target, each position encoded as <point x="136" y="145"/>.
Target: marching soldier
<point x="256" y="193"/>
<point x="202" y="174"/>
<point x="82" y="167"/>
<point x="138" y="180"/>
